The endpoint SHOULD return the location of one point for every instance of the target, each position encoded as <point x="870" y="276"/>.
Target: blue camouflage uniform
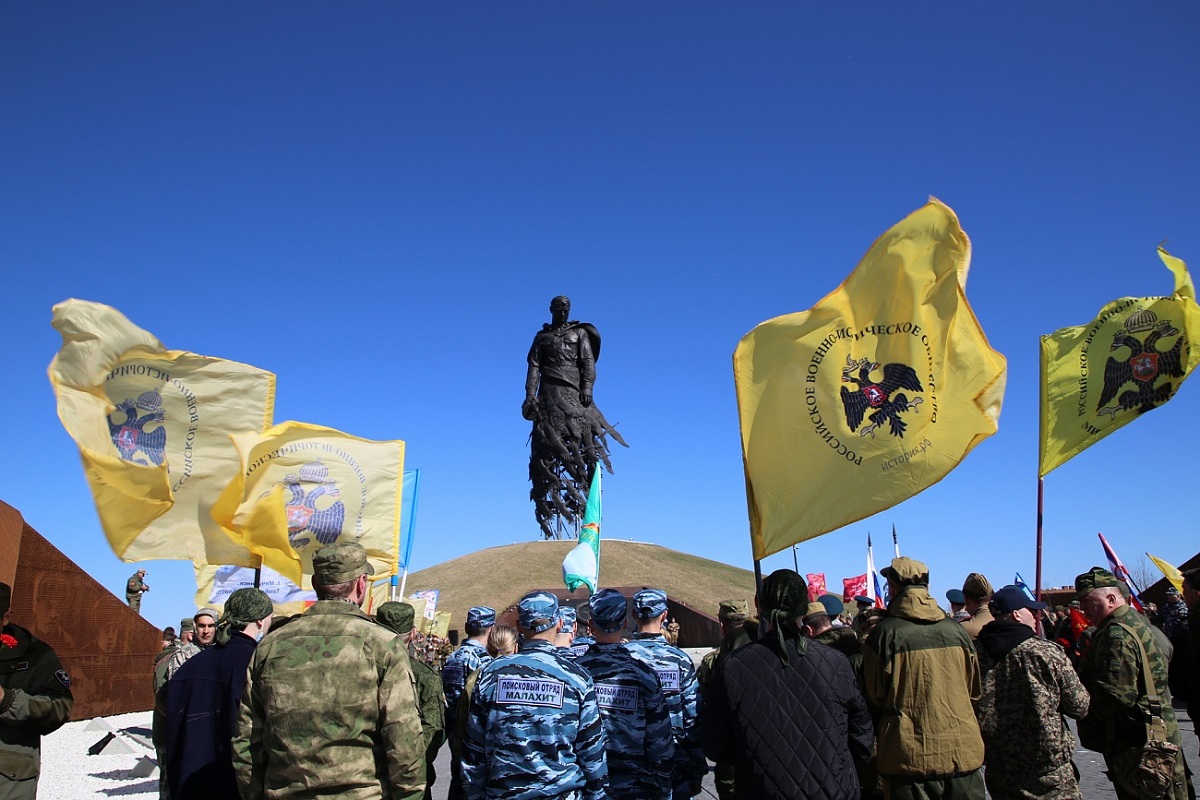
<point x="681" y="690"/>
<point x="641" y="748"/>
<point x="569" y="619"/>
<point x="581" y="645"/>
<point x="458" y="665"/>
<point x="534" y="728"/>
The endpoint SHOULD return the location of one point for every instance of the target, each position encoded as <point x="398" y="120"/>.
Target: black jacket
<point x="791" y="730"/>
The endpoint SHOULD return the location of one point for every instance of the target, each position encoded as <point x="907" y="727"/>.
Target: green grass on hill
<point x="500" y="576"/>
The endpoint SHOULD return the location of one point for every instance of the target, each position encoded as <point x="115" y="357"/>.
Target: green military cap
<point x="248" y="605"/>
<point x="187" y="624"/>
<point x="1095" y="578"/>
<point x="339" y="563"/>
<point x="906" y="571"/>
<point x="397" y="616"/>
<point x="733" y="611"/>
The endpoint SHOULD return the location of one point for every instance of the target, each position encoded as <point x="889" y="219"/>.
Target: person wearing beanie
<point x="470" y="656"/>
<point x="533" y="725"/>
<point x="202" y="700"/>
<point x="921" y="677"/>
<point x="329" y="708"/>
<point x="637" y="725"/>
<point x="35" y="699"/>
<point x="1028" y="685"/>
<point x="677" y="674"/>
<point x="431" y="702"/>
<point x="781" y="706"/>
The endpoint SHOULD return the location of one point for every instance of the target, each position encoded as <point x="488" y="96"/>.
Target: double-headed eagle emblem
<point x="303" y="515"/>
<point x="1143" y="366"/>
<point x="881" y="397"/>
<point x="130" y="435"/>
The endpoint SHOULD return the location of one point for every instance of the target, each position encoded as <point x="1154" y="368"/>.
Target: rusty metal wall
<point x="107" y="649"/>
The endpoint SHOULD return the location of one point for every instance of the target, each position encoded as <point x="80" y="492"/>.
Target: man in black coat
<point x="786" y="710"/>
<point x="203" y="700"/>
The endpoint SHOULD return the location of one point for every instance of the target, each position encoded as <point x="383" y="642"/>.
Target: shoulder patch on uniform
<point x="669" y="678"/>
<point x="530" y="692"/>
<point x="63" y="678"/>
<point x="616" y="697"/>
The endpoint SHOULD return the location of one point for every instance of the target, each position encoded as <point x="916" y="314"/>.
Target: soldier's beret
<point x="955" y="596"/>
<point x="650" y="603"/>
<point x="397" y="616"/>
<point x="977" y="586"/>
<point x="905" y="571"/>
<point x="733" y="611"/>
<point x="537" y="611"/>
<point x="833" y="604"/>
<point x="5" y="598"/>
<point x="567" y="615"/>
<point x="482" y="616"/>
<point x="340" y="563"/>
<point x="1095" y="578"/>
<point x="187" y="624"/>
<point x="608" y="610"/>
<point x="862" y="599"/>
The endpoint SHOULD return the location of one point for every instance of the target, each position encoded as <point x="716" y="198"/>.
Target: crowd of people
<point x="803" y="698"/>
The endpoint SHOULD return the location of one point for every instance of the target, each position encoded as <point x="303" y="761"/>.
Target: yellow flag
<point x="1169" y="572"/>
<point x="152" y="426"/>
<point x="870" y="396"/>
<point x="1130" y="359"/>
<point x="304" y="486"/>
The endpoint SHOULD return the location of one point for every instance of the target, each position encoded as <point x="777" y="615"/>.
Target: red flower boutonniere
<point x="8" y="641"/>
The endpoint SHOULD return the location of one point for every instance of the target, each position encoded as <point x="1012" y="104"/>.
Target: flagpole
<point x="895" y="541"/>
<point x="795" y="561"/>
<point x="762" y="621"/>
<point x="1037" y="590"/>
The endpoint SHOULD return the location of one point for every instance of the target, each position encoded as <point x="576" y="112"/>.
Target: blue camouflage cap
<point x="568" y="617"/>
<point x="482" y="616"/>
<point x="650" y="603"/>
<point x="609" y="610"/>
<point x="537" y="611"/>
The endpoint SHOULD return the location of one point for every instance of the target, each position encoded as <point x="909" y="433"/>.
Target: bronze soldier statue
<point x="569" y="432"/>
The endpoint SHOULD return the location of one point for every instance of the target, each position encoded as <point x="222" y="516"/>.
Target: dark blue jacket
<point x="202" y="709"/>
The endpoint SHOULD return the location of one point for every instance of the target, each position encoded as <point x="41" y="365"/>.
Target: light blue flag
<point x="581" y="567"/>
<point x="408" y="513"/>
<point x="1019" y="581"/>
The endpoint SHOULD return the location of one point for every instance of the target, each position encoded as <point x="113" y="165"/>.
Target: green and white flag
<point x="581" y="567"/>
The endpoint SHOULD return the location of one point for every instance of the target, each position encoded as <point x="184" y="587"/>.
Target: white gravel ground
<point x="69" y="773"/>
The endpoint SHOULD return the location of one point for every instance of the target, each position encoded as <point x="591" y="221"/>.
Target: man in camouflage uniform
<point x="637" y="725"/>
<point x="534" y="728"/>
<point x="458" y="665"/>
<point x="431" y="703"/>
<point x="566" y="632"/>
<point x="677" y="675"/>
<point x="135" y="587"/>
<point x="1112" y="671"/>
<point x="330" y="705"/>
<point x="1028" y="685"/>
<point x="35" y="699"/>
<point x="737" y="630"/>
<point x="583" y="637"/>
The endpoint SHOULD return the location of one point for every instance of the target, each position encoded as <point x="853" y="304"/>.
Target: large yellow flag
<point x="304" y="486"/>
<point x="152" y="426"/>
<point x="870" y="396"/>
<point x="1130" y="359"/>
<point x="1169" y="571"/>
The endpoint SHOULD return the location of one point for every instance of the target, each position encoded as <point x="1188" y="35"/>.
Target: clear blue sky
<point x="377" y="201"/>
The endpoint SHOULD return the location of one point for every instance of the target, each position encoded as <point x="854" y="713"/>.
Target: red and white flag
<point x="816" y="585"/>
<point x="854" y="587"/>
